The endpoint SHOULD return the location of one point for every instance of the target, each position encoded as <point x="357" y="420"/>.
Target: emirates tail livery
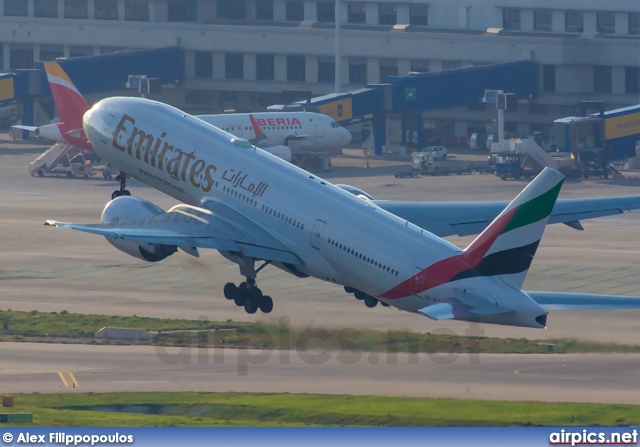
<point x="71" y="107"/>
<point x="254" y="207"/>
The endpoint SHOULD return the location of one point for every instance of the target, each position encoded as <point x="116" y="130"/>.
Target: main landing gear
<point x="369" y="300"/>
<point x="122" y="178"/>
<point x="247" y="294"/>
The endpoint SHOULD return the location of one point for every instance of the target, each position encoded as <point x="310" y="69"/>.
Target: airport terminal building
<point x="242" y="54"/>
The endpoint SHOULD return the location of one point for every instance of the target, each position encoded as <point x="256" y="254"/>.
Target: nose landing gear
<point x="122" y="178"/>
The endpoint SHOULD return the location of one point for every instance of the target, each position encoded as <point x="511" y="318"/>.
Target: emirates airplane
<point x="253" y="207"/>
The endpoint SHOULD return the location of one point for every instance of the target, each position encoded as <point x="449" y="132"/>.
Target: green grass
<point x="245" y="409"/>
<point x="65" y="327"/>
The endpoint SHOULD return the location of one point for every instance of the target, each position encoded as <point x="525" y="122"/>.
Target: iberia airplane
<point x="252" y="207"/>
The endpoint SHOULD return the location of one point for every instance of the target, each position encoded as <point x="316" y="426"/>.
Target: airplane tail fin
<point x="507" y="246"/>
<point x="69" y="102"/>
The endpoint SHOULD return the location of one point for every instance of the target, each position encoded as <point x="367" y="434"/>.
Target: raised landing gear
<point x="122" y="178"/>
<point x="249" y="296"/>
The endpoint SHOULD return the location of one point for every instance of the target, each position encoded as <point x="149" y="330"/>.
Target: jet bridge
<point x="410" y="96"/>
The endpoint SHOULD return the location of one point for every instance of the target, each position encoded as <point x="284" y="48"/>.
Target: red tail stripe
<point x="256" y="128"/>
<point x="443" y="271"/>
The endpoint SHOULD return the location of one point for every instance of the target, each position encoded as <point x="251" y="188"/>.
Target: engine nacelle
<point x="50" y="132"/>
<point x="279" y="151"/>
<point x="127" y="208"/>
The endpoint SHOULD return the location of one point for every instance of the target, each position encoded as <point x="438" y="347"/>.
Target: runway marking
<point x="523" y="372"/>
<point x="72" y="379"/>
<point x="621" y="285"/>
<point x="575" y="271"/>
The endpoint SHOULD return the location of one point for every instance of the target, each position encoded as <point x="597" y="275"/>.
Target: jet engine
<point x="279" y="151"/>
<point x="127" y="208"/>
<point x="49" y="131"/>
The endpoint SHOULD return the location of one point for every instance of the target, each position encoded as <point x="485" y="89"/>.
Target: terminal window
<point x="203" y="64"/>
<point x="231" y="9"/>
<point x="511" y="19"/>
<point x="419" y="66"/>
<point x="602" y="77"/>
<point x="386" y="14"/>
<point x="326" y="12"/>
<point x="326" y="69"/>
<point x="388" y="67"/>
<point x="574" y="21"/>
<point x="45" y="8"/>
<point x="357" y="70"/>
<point x="542" y="20"/>
<point x="51" y="52"/>
<point x="80" y="50"/>
<point x="265" y="67"/>
<point x="16" y="8"/>
<point x="356" y="13"/>
<point x="20" y="56"/>
<point x="234" y="65"/>
<point x="295" y="10"/>
<point x="634" y="22"/>
<point x="76" y="9"/>
<point x="106" y="9"/>
<point x="296" y="68"/>
<point x="548" y="78"/>
<point x="264" y="9"/>
<point x="136" y="10"/>
<point x="182" y="11"/>
<point x="606" y="22"/>
<point x="632" y="80"/>
<point x="419" y="15"/>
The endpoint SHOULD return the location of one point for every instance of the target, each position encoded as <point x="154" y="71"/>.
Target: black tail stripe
<point x="507" y="262"/>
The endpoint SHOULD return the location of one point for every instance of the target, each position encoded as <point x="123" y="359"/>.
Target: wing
<point x="466" y="218"/>
<point x="583" y="301"/>
<point x="215" y="226"/>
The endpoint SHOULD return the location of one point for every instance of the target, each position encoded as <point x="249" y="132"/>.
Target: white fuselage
<point x="340" y="238"/>
<point x="321" y="132"/>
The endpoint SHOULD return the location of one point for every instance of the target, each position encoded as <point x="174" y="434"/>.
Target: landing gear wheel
<point x="266" y="304"/>
<point x="359" y="295"/>
<point x="370" y="301"/>
<point x="40" y="173"/>
<point x="241" y="295"/>
<point x="251" y="305"/>
<point x="230" y="291"/>
<point x="115" y="194"/>
<point x="126" y="192"/>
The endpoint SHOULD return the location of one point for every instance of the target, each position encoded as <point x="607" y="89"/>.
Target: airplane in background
<point x="252" y="207"/>
<point x="272" y="129"/>
<point x="71" y="107"/>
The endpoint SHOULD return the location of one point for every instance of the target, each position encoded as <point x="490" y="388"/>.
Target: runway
<point x="47" y="368"/>
<point x="50" y="269"/>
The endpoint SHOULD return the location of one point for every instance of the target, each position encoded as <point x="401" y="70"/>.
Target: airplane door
<point x="418" y="281"/>
<point x="316" y="233"/>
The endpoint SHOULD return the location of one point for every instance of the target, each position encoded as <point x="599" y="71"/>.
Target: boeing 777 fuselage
<point x="320" y="224"/>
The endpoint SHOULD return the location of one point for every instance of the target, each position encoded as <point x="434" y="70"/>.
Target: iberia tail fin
<point x="507" y="246"/>
<point x="69" y="102"/>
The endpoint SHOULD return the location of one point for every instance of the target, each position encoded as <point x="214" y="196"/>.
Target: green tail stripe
<point x="534" y="210"/>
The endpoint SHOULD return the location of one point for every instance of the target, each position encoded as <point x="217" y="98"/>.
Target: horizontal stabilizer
<point x="583" y="301"/>
<point x="29" y="128"/>
<point x="452" y="308"/>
